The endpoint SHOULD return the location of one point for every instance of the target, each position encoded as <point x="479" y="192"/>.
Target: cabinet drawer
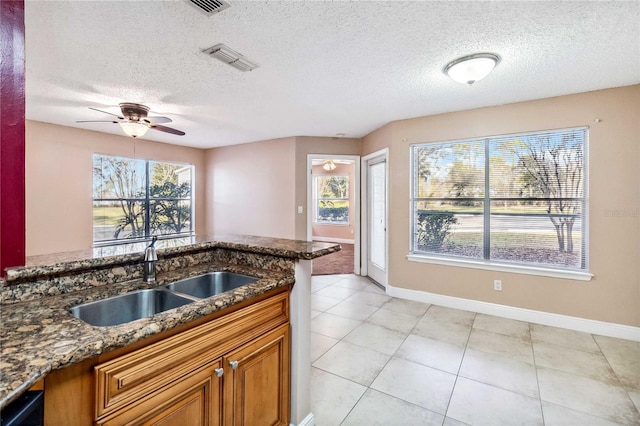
<point x="195" y="401"/>
<point x="146" y="371"/>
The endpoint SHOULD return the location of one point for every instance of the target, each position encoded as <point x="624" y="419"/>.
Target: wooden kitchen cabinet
<point x="230" y="370"/>
<point x="254" y="368"/>
<point x="193" y="400"/>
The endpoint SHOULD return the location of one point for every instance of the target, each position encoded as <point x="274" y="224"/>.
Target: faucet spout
<point x="150" y="259"/>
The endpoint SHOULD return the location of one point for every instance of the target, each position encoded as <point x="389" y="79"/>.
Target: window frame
<point x="317" y="199"/>
<point x="146" y="201"/>
<point x="485" y="263"/>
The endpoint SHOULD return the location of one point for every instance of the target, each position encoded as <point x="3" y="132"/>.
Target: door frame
<point x="364" y="221"/>
<point x="356" y="208"/>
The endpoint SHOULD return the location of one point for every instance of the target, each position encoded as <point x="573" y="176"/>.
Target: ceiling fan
<point x="135" y="120"/>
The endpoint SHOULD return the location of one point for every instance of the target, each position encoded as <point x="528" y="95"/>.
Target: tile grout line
<point x="455" y="382"/>
<point x="535" y="368"/>
<point x="385" y="365"/>
<point x="368" y="387"/>
<point x="421" y="317"/>
<point x="574" y="374"/>
<point x="615" y="374"/>
<point x="336" y="343"/>
<point x="530" y="329"/>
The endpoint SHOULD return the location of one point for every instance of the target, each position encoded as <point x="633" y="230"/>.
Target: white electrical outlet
<point x="497" y="285"/>
<point x="300" y="210"/>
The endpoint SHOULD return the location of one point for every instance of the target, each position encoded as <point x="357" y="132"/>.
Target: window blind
<point x="509" y="199"/>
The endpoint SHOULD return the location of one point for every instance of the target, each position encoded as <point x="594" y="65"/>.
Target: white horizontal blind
<point x="510" y="199"/>
<point x="448" y="198"/>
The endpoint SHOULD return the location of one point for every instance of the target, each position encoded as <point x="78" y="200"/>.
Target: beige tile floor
<point x="378" y="360"/>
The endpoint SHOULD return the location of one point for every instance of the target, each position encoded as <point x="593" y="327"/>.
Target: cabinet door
<point x="189" y="410"/>
<point x="194" y="400"/>
<point x="256" y="386"/>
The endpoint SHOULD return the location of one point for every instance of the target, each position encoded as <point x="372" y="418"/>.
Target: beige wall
<point x="232" y="184"/>
<point x="251" y="188"/>
<point x="315" y="145"/>
<point x="269" y="177"/>
<point x="342" y="232"/>
<point x="255" y="188"/>
<point x="59" y="175"/>
<point x="613" y="295"/>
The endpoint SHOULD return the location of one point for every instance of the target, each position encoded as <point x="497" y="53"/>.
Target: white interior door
<point x="377" y="220"/>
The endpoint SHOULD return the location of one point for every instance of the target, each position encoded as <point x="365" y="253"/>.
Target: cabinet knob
<point x="219" y="372"/>
<point x="233" y="364"/>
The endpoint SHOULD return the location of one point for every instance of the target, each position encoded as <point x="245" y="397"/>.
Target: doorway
<point x="374" y="216"/>
<point x="333" y="210"/>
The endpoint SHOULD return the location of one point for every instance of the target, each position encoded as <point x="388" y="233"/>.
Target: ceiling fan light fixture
<point x="135" y="120"/>
<point x="471" y="68"/>
<point x="329" y="165"/>
<point x="134" y="129"/>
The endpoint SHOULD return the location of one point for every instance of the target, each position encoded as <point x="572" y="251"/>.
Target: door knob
<point x="219" y="372"/>
<point x="233" y="364"/>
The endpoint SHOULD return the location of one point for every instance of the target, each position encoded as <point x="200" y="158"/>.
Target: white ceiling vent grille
<point x="231" y="57"/>
<point x="210" y="7"/>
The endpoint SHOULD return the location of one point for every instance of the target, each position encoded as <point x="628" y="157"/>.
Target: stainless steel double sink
<point x="146" y="303"/>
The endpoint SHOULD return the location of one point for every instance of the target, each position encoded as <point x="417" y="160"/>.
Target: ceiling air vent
<point x="210" y="7"/>
<point x="230" y="57"/>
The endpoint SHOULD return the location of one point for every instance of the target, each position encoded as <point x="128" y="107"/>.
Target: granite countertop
<point x="113" y="255"/>
<point x="40" y="336"/>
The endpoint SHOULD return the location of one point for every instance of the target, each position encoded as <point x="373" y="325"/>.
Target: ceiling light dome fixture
<point x="329" y="165"/>
<point x="135" y="129"/>
<point x="472" y="68"/>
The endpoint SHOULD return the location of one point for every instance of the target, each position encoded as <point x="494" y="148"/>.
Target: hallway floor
<point x="378" y="360"/>
<point x="340" y="262"/>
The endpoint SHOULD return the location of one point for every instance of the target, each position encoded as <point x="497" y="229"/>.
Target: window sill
<point x="501" y="267"/>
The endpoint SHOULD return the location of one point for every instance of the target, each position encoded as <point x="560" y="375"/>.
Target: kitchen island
<point x="40" y="336"/>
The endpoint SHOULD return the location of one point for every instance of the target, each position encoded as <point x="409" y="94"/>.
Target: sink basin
<point x="146" y="303"/>
<point x="207" y="285"/>
<point x="128" y="307"/>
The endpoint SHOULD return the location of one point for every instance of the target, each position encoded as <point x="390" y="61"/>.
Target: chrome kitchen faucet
<point x="150" y="259"/>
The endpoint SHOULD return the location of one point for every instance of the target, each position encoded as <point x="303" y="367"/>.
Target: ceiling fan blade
<point x="105" y="112"/>
<point x="97" y="121"/>
<point x="167" y="130"/>
<point x="157" y="119"/>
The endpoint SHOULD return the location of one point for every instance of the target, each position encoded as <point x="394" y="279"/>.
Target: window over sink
<point x="134" y="199"/>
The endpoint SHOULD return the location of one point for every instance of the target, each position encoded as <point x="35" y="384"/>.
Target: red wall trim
<point x="12" y="135"/>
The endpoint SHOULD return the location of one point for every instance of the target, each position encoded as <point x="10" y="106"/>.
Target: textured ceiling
<point x="326" y="67"/>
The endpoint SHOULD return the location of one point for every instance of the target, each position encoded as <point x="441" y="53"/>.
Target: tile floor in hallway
<point x="378" y="360"/>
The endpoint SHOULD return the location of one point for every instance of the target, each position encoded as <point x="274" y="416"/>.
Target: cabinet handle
<point x="219" y="372"/>
<point x="233" y="364"/>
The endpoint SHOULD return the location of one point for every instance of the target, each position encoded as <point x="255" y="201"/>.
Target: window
<point x="507" y="199"/>
<point x="134" y="199"/>
<point x="331" y="199"/>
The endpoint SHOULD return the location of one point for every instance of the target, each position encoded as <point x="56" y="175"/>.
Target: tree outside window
<point x="332" y="199"/>
<point x="514" y="199"/>
<point x="134" y="199"/>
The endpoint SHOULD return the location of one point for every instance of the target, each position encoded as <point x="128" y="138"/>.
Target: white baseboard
<point x="602" y="328"/>
<point x="334" y="240"/>
<point x="307" y="421"/>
